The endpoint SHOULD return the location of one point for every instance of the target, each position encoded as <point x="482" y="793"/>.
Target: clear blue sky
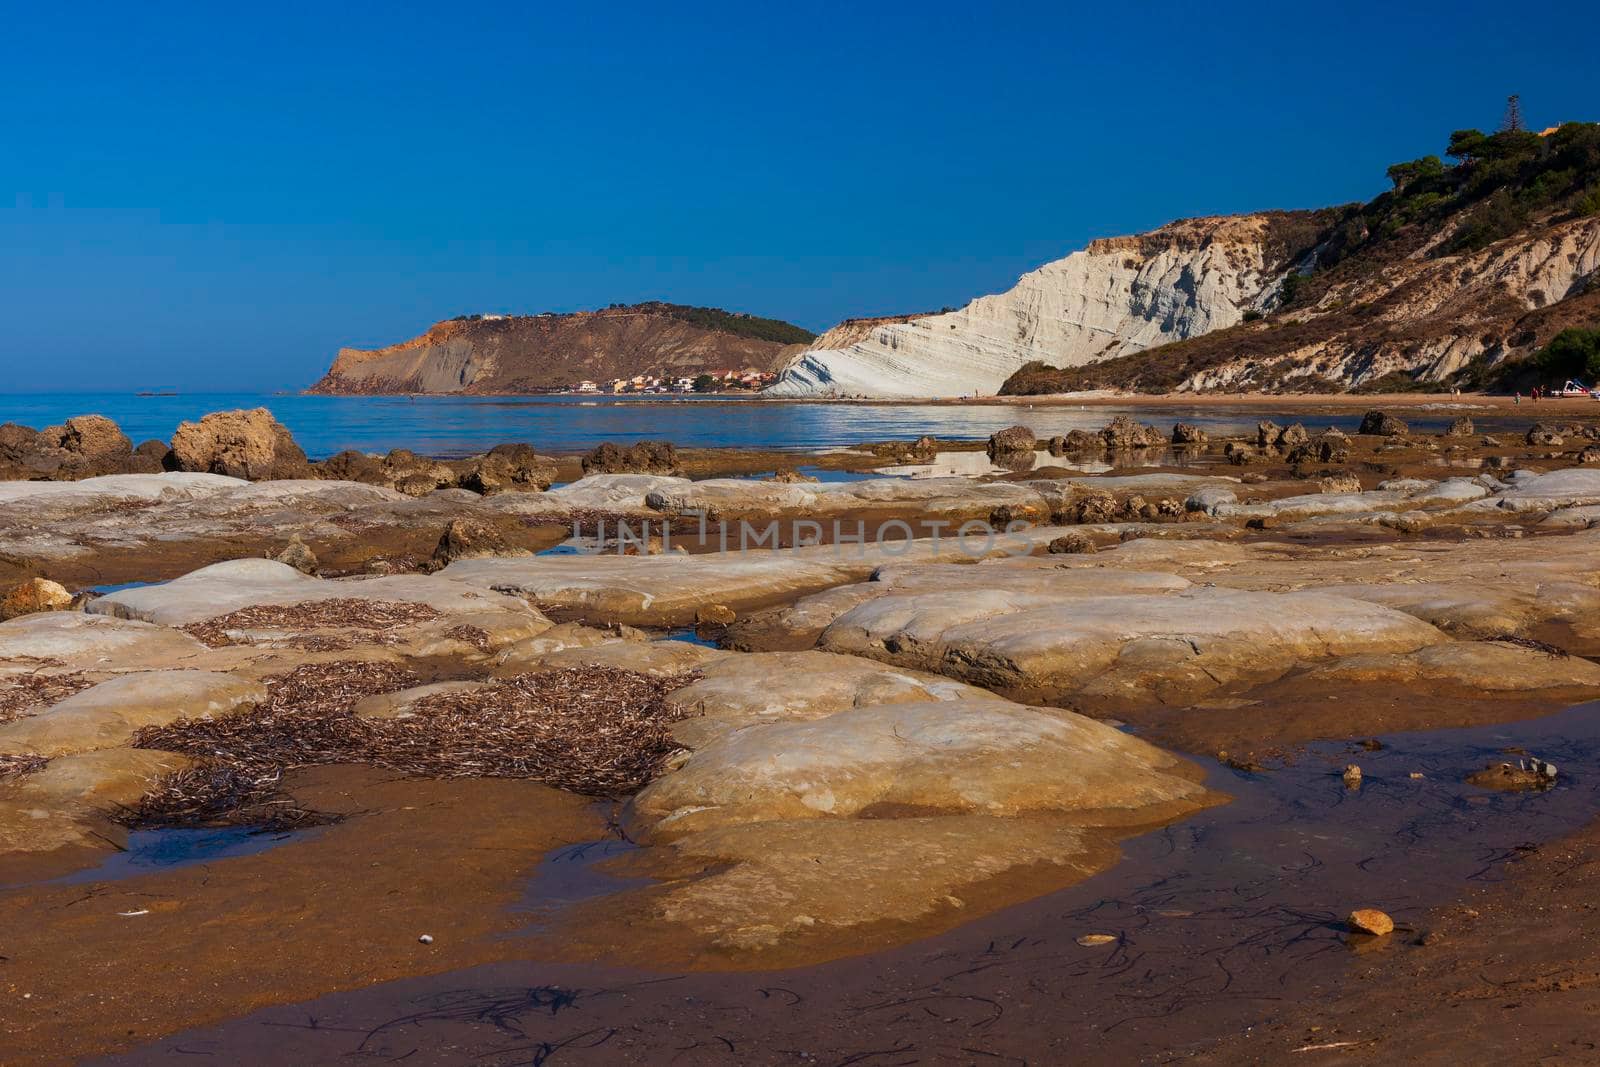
<point x="220" y="196"/>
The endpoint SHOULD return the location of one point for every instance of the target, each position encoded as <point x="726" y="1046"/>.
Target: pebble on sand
<point x="1370" y="921"/>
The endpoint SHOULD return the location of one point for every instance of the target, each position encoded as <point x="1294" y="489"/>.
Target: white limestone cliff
<point x="1118" y="296"/>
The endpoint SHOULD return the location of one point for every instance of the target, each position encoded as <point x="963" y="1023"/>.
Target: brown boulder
<point x="1382" y="424"/>
<point x="1185" y="434"/>
<point x="1122" y="433"/>
<point x="298" y="554"/>
<point x="93" y="440"/>
<point x="1461" y="426"/>
<point x="715" y="615"/>
<point x="470" y="539"/>
<point x="17" y="442"/>
<point x="1095" y="506"/>
<point x="92" y="435"/>
<point x="1011" y="441"/>
<point x="34" y="595"/>
<point x="1073" y="543"/>
<point x="645" y="457"/>
<point x="353" y="466"/>
<point x="82" y="447"/>
<point x="150" y="457"/>
<point x="240" y="444"/>
<point x="508" y="467"/>
<point x="1543" y="434"/>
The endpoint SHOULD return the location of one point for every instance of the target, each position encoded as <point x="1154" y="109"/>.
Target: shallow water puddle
<point x="107" y="590"/>
<point x="1206" y="926"/>
<point x="573" y="874"/>
<point x="689" y="635"/>
<point x="152" y="851"/>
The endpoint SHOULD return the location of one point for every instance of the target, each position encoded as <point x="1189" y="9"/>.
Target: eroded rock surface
<point x="985" y="756"/>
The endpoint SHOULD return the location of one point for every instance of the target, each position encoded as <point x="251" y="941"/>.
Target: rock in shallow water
<point x="1370" y="921"/>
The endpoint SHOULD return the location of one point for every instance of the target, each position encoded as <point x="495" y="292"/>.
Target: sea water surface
<point x="459" y="426"/>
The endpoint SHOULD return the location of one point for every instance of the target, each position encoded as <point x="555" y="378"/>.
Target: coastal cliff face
<point x="1422" y="320"/>
<point x="537" y="353"/>
<point x="1458" y="275"/>
<point x="1119" y="295"/>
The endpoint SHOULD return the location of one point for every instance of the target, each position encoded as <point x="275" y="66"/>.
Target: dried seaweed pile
<point x="372" y="620"/>
<point x="593" y="730"/>
<point x="23" y="694"/>
<point x="475" y="636"/>
<point x="17" y="766"/>
<point x="240" y="758"/>
<point x="1532" y="644"/>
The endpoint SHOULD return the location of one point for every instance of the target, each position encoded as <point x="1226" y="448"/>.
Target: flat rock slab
<point x="775" y="883"/>
<point x="1575" y="486"/>
<point x="118" y="488"/>
<point x="110" y="713"/>
<point x="1467" y="666"/>
<point x="93" y="643"/>
<point x="224" y="588"/>
<point x="736" y="691"/>
<point x="973" y="588"/>
<point x="1577" y="517"/>
<point x="65" y="803"/>
<point x="1120" y="650"/>
<point x="979" y="756"/>
<point x="1394" y="496"/>
<point x="660" y="658"/>
<point x="1475" y="610"/>
<point x="669" y="589"/>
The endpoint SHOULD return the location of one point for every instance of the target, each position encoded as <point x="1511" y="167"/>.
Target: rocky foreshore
<point x="914" y="699"/>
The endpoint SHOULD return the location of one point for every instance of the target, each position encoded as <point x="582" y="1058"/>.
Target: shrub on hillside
<point x="1572" y="353"/>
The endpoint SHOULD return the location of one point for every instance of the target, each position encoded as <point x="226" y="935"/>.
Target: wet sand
<point x="90" y="966"/>
<point x="1216" y="923"/>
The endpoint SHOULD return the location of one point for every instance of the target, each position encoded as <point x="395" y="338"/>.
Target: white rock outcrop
<point x="1119" y="295"/>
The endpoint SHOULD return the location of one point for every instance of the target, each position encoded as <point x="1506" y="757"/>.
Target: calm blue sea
<point x="458" y="426"/>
